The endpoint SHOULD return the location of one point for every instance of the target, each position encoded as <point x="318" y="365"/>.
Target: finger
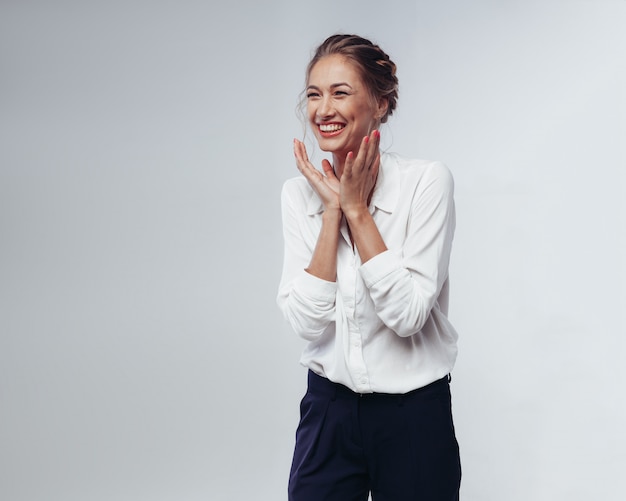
<point x="375" y="166"/>
<point x="376" y="139"/>
<point x="361" y="157"/>
<point x="297" y="149"/>
<point x="306" y="168"/>
<point x="302" y="160"/>
<point x="303" y="152"/>
<point x="300" y="150"/>
<point x="372" y="149"/>
<point x="328" y="169"/>
<point x="347" y="167"/>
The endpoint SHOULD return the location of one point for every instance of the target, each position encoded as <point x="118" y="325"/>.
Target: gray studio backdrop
<point x="143" y="146"/>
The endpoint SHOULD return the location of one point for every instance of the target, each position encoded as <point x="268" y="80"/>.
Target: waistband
<point x="325" y="386"/>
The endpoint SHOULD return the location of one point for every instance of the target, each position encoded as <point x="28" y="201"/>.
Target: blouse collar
<point x="386" y="191"/>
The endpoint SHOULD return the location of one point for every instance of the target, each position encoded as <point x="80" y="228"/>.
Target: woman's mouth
<point x="328" y="130"/>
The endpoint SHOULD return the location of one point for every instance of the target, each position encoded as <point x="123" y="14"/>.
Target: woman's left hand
<point x="359" y="175"/>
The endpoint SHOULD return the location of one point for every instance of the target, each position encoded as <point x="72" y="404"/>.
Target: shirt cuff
<point x="379" y="267"/>
<point x="315" y="287"/>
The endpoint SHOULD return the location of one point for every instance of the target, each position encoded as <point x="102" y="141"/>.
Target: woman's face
<point x="340" y="109"/>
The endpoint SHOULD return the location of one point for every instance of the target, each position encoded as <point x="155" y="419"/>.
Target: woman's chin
<point x="330" y="146"/>
<point x="324" y="144"/>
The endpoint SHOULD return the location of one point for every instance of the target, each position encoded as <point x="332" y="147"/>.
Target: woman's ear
<point x="383" y="105"/>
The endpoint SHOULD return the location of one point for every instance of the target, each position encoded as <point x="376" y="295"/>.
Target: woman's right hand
<point x="325" y="185"/>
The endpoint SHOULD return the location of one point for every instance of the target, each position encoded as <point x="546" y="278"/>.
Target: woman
<point x="365" y="283"/>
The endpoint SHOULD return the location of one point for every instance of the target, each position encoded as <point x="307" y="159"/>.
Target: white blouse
<point x="382" y="326"/>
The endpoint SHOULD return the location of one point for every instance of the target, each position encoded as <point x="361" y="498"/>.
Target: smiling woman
<point x="365" y="282"/>
<point x="340" y="108"/>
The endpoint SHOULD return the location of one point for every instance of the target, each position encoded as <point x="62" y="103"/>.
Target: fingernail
<point x="367" y="139"/>
<point x="377" y="134"/>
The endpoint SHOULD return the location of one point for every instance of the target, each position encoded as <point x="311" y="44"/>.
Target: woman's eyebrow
<point x="332" y="86"/>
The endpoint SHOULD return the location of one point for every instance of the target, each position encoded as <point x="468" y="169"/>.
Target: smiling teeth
<point x="330" y="127"/>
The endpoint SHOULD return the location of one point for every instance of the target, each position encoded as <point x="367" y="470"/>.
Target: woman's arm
<point x="405" y="283"/>
<point x="323" y="262"/>
<point x="324" y="259"/>
<point x="307" y="302"/>
<point x="308" y="285"/>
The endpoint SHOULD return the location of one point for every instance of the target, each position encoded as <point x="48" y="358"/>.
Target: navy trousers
<point x="398" y="447"/>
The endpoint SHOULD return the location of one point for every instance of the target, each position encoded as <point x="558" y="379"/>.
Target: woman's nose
<point x="325" y="108"/>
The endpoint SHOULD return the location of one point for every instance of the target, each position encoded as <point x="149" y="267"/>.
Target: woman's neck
<point x="338" y="163"/>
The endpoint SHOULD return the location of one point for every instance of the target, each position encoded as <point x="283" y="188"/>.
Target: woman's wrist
<point x="332" y="214"/>
<point x="356" y="213"/>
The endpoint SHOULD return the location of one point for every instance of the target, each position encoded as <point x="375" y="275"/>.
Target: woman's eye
<point x="312" y="94"/>
<point x="341" y="93"/>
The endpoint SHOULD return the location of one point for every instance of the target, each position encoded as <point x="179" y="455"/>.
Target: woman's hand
<point x="325" y="185"/>
<point x="357" y="185"/>
<point x="359" y="175"/>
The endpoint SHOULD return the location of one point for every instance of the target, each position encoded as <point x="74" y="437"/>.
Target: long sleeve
<point x="383" y="325"/>
<point x="405" y="283"/>
<point x="307" y="302"/>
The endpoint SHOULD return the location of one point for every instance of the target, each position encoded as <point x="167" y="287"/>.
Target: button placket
<point x="348" y="277"/>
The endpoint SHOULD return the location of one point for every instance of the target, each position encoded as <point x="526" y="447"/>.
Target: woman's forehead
<point x="333" y="69"/>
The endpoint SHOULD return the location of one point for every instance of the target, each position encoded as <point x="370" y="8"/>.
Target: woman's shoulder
<point x="297" y="186"/>
<point x="416" y="168"/>
<point x="297" y="192"/>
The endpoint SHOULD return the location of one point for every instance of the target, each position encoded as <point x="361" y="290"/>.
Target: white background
<point x="143" y="146"/>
